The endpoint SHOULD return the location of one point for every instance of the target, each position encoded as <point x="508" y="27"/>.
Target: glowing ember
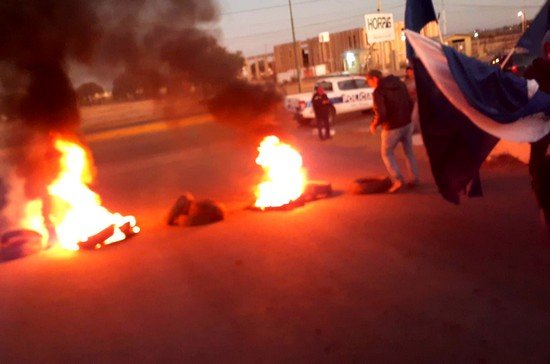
<point x="76" y="213"/>
<point x="285" y="179"/>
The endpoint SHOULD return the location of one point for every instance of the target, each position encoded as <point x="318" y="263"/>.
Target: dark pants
<point x="539" y="168"/>
<point x="323" y="126"/>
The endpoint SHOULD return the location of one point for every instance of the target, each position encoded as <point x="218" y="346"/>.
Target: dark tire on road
<point x="19" y="243"/>
<point x="371" y="185"/>
<point x="180" y="207"/>
<point x="205" y="212"/>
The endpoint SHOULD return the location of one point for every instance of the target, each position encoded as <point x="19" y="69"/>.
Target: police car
<point x="348" y="94"/>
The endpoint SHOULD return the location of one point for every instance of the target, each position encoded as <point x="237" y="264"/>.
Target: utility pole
<point x="443" y="18"/>
<point x="298" y="68"/>
<point x="521" y="14"/>
<point x="523" y="22"/>
<point x="382" y="44"/>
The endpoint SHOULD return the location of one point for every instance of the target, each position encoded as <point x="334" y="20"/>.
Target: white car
<point x="348" y="94"/>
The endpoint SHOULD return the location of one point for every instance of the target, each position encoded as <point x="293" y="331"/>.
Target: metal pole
<point x="523" y="24"/>
<point x="444" y="16"/>
<point x="442" y="21"/>
<point x="382" y="44"/>
<point x="507" y="58"/>
<point x="298" y="68"/>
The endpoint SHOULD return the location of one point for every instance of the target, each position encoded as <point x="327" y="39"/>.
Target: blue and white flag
<point x="532" y="38"/>
<point x="418" y="13"/>
<point x="465" y="107"/>
<point x="502" y="104"/>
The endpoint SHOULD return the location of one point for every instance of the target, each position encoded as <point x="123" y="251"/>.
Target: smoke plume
<point x="143" y="44"/>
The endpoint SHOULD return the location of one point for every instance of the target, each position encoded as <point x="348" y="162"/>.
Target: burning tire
<point x="371" y="185"/>
<point x="98" y="239"/>
<point x="20" y="243"/>
<point x="105" y="236"/>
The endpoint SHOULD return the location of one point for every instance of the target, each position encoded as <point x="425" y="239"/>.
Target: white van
<point x="347" y="94"/>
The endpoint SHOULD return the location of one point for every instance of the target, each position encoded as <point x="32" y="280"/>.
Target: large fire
<point x="285" y="179"/>
<point x="76" y="211"/>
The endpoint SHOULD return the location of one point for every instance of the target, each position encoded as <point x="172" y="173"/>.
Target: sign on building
<point x="379" y="27"/>
<point x="324" y="37"/>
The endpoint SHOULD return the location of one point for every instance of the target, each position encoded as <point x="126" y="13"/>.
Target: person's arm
<point x="379" y="109"/>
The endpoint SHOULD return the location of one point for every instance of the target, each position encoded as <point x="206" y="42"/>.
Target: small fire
<point x="76" y="213"/>
<point x="285" y="179"/>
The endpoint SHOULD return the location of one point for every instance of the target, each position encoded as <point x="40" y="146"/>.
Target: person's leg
<point x="327" y="128"/>
<point x="320" y="128"/>
<point x="406" y="139"/>
<point x="539" y="168"/>
<point x="389" y="140"/>
<point x="415" y="119"/>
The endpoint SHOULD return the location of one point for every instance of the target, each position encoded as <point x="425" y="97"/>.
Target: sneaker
<point x="395" y="187"/>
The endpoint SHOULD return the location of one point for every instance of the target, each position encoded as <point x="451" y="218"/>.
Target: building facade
<point x="345" y="51"/>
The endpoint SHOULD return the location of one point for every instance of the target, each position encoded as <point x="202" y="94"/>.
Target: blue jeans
<point x="390" y="139"/>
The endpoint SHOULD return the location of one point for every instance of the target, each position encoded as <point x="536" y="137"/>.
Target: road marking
<point x="153" y="127"/>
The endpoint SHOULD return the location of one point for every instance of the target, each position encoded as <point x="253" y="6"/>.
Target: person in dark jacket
<point x="539" y="161"/>
<point x="392" y="110"/>
<point x="322" y="106"/>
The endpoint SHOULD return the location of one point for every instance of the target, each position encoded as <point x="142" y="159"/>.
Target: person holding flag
<point x="466" y="107"/>
<point x="539" y="161"/>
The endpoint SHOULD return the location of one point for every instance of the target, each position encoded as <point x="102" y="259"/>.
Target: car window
<point x="361" y="83"/>
<point x="346" y="85"/>
<point x="327" y="86"/>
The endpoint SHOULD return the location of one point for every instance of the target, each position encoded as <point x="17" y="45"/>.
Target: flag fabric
<point x="502" y="96"/>
<point x="418" y="13"/>
<point x="465" y="107"/>
<point x="532" y="38"/>
<point x="455" y="146"/>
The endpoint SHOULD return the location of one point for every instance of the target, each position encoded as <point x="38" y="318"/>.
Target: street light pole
<point x="521" y="14"/>
<point x="298" y="69"/>
<point x="382" y="44"/>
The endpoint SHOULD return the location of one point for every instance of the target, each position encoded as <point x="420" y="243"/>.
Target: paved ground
<point x="379" y="278"/>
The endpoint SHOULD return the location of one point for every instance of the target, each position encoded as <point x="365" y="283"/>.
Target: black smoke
<point x="143" y="44"/>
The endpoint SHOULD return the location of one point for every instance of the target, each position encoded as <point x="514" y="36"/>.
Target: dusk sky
<point x="254" y="27"/>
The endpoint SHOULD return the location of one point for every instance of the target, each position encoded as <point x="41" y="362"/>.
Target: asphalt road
<point x="401" y="278"/>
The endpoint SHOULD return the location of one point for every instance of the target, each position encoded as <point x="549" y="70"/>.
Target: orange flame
<point x="77" y="213"/>
<point x="285" y="179"/>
